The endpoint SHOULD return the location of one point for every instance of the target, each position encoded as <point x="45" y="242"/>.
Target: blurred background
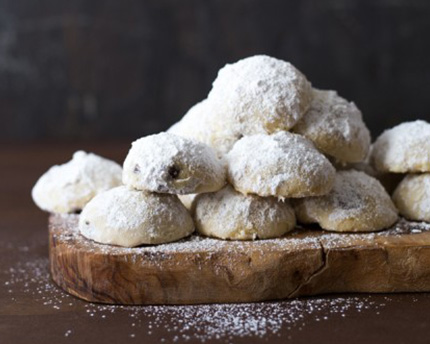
<point x="121" y="69"/>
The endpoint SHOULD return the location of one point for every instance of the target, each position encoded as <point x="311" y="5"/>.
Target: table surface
<point x="33" y="309"/>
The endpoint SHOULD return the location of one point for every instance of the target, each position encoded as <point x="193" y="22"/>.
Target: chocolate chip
<point x="136" y="169"/>
<point x="173" y="171"/>
<point x="87" y="222"/>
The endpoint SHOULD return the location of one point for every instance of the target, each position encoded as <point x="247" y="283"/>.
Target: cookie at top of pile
<point x="403" y="149"/>
<point x="228" y="214"/>
<point x="126" y="217"/>
<point x="68" y="187"/>
<point x="357" y="203"/>
<point x="282" y="164"/>
<point x="336" y="127"/>
<point x="168" y="163"/>
<point x="204" y="122"/>
<point x="412" y="197"/>
<point x="261" y="94"/>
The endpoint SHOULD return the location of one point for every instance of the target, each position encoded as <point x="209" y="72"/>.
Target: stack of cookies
<point x="263" y="151"/>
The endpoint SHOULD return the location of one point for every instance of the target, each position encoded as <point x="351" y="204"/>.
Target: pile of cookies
<point x="262" y="151"/>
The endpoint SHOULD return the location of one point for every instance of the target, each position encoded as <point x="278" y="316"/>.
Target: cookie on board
<point x="126" y="217"/>
<point x="228" y="214"/>
<point x="68" y="187"/>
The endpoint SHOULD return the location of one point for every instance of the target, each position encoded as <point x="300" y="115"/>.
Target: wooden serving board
<point x="205" y="270"/>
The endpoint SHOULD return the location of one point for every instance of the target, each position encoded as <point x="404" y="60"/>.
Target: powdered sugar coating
<point x="283" y="164"/>
<point x="228" y="214"/>
<point x="404" y="148"/>
<point x="335" y="126"/>
<point x="205" y="123"/>
<point x="357" y="203"/>
<point x="168" y="163"/>
<point x="261" y="94"/>
<point x="68" y="187"/>
<point x="126" y="217"/>
<point x="412" y="197"/>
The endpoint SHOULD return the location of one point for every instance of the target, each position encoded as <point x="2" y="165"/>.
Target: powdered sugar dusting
<point x="68" y="187"/>
<point x="126" y="217"/>
<point x="283" y="164"/>
<point x="28" y="282"/>
<point x="167" y="163"/>
<point x="261" y="94"/>
<point x="404" y="148"/>
<point x="335" y="126"/>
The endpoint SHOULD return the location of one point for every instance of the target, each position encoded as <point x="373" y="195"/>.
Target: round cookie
<point x="228" y="214"/>
<point x="204" y="122"/>
<point x="403" y="149"/>
<point x="336" y="127"/>
<point x="261" y="94"/>
<point x="168" y="163"/>
<point x="126" y="217"/>
<point x="357" y="203"/>
<point x="282" y="164"/>
<point x="412" y="197"/>
<point x="68" y="187"/>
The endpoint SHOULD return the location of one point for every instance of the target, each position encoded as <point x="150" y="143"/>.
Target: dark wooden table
<point x="34" y="310"/>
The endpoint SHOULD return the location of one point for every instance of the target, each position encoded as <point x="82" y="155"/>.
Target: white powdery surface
<point x="127" y="217"/>
<point x="168" y="163"/>
<point x="261" y="94"/>
<point x="404" y="148"/>
<point x="282" y="164"/>
<point x="68" y="187"/>
<point x="205" y="123"/>
<point x="335" y="126"/>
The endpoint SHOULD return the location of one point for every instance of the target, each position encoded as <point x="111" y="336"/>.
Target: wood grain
<point x="306" y="262"/>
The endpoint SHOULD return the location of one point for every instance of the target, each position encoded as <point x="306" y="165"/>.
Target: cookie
<point x="282" y="165"/>
<point x="126" y="217"/>
<point x="403" y="149"/>
<point x="261" y="94"/>
<point x="336" y="127"/>
<point x="412" y="197"/>
<point x="357" y="203"/>
<point x="228" y="214"/>
<point x="204" y="122"/>
<point x="68" y="187"/>
<point x="167" y="163"/>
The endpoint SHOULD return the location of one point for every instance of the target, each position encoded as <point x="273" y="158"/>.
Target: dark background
<point x="113" y="69"/>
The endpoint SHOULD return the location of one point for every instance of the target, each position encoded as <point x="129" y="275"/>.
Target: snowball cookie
<point x="283" y="165"/>
<point x="228" y="214"/>
<point x="403" y="149"/>
<point x="67" y="188"/>
<point x="336" y="127"/>
<point x="169" y="163"/>
<point x="357" y="203"/>
<point x="412" y="197"/>
<point x="261" y="94"/>
<point x="204" y="122"/>
<point x="188" y="201"/>
<point x="127" y="217"/>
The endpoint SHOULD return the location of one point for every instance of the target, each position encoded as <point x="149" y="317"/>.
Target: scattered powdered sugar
<point x="169" y="163"/>
<point x="28" y="281"/>
<point x="283" y="164"/>
<point x="68" y="187"/>
<point x="335" y="126"/>
<point x="261" y="94"/>
<point x="404" y="148"/>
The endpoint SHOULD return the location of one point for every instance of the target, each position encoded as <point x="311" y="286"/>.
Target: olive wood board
<point x="304" y="262"/>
